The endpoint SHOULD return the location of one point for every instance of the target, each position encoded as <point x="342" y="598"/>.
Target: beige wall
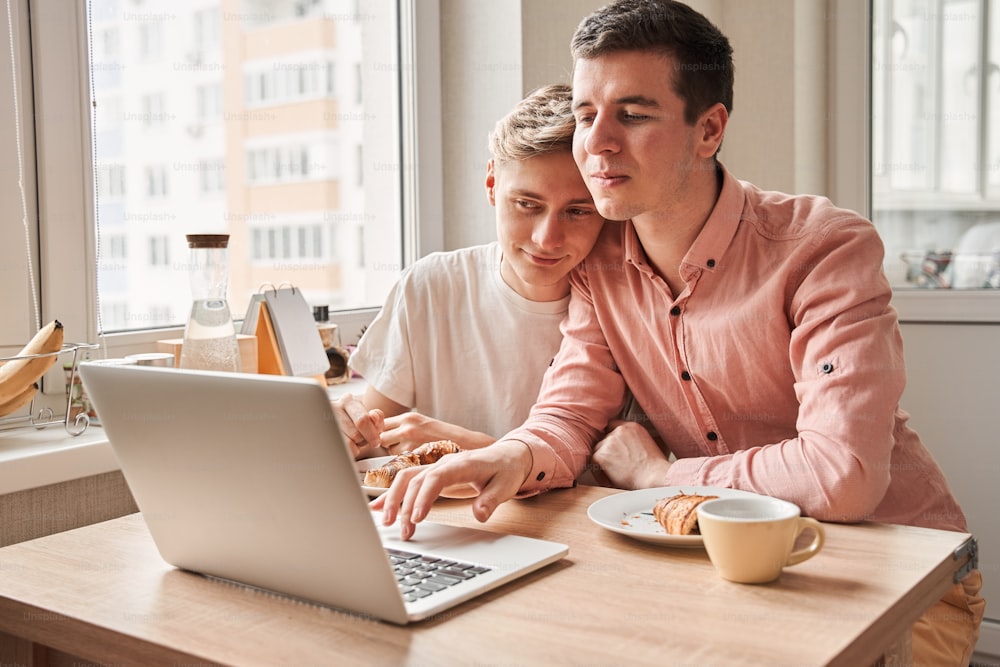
<point x="492" y="54"/>
<point x="776" y="137"/>
<point x="480" y="78"/>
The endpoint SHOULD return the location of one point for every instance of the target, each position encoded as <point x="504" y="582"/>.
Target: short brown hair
<point x="702" y="54"/>
<point x="540" y="123"/>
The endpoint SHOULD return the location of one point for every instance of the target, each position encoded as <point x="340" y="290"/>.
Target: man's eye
<point x="524" y="203"/>
<point x="634" y="117"/>
<point x="580" y="212"/>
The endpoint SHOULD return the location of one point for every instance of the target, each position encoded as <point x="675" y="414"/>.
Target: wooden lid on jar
<point x="207" y="240"/>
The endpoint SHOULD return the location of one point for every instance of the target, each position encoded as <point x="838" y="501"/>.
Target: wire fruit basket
<point x="75" y="419"/>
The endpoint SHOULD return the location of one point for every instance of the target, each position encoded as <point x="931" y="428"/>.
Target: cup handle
<point x="806" y="523"/>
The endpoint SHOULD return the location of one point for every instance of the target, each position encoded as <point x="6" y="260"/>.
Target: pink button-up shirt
<point x="778" y="369"/>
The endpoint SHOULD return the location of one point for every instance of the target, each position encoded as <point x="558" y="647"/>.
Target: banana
<point x="19" y="401"/>
<point x="17" y="374"/>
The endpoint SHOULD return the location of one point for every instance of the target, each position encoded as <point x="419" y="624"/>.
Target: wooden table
<point x="102" y="593"/>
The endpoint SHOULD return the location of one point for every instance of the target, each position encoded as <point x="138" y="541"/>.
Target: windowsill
<point x="945" y="305"/>
<point x="31" y="458"/>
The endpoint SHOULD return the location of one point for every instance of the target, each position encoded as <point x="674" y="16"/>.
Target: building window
<point x="275" y="81"/>
<point x="212" y="176"/>
<point x="111" y="180"/>
<point x="209" y="101"/>
<point x="156" y="181"/>
<point x="150" y="41"/>
<point x="152" y="110"/>
<point x="159" y="251"/>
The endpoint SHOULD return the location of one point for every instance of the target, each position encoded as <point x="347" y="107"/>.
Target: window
<point x="111" y="180"/>
<point x="156" y="181"/>
<point x="60" y="173"/>
<point x="271" y="82"/>
<point x="159" y="251"/>
<point x="255" y="114"/>
<point x="150" y="45"/>
<point x="936" y="141"/>
<point x="212" y="176"/>
<point x="209" y="101"/>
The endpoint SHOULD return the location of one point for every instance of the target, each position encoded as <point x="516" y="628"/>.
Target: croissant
<point x="679" y="514"/>
<point x="425" y="454"/>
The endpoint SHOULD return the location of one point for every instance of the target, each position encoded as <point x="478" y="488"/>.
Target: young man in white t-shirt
<point x="459" y="349"/>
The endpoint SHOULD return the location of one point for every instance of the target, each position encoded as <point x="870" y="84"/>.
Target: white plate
<point x="365" y="465"/>
<point x="624" y="513"/>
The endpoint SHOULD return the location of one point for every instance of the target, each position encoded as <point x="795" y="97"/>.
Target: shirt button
<point x="710" y="263"/>
<point x="712" y="435"/>
<point x="675" y="311"/>
<point x="540" y="476"/>
<point x="827" y="368"/>
<point x="685" y="376"/>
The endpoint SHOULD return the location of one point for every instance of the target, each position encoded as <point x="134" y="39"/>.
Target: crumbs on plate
<point x="626" y="522"/>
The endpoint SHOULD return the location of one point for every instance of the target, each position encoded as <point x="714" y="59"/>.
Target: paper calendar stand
<point x="268" y="353"/>
<point x="288" y="342"/>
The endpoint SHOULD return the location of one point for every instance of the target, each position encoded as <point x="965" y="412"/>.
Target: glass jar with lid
<point x="210" y="335"/>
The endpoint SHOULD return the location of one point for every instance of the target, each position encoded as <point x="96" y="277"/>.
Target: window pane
<point x="243" y="117"/>
<point x="935" y="192"/>
<point x="960" y="103"/>
<point x="993" y="108"/>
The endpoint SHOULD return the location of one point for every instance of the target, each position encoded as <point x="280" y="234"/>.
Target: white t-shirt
<point x="456" y="343"/>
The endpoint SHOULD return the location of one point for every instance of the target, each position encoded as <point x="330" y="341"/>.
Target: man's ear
<point x="712" y="124"/>
<point x="491" y="180"/>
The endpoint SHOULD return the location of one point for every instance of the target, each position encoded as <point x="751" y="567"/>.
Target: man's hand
<point x="629" y="457"/>
<point x="362" y="427"/>
<point x="495" y="472"/>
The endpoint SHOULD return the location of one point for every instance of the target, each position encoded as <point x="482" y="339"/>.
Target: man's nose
<point x="549" y="232"/>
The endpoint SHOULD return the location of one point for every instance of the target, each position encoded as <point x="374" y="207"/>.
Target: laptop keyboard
<point x="420" y="576"/>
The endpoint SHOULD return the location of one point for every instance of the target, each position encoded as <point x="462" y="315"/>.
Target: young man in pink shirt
<point x="753" y="328"/>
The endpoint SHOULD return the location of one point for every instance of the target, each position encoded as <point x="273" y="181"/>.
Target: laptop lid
<point x="246" y="477"/>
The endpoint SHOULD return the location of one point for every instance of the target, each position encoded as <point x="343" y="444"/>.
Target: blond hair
<point x="540" y="123"/>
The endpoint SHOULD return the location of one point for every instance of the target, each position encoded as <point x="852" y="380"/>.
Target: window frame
<point x="53" y="73"/>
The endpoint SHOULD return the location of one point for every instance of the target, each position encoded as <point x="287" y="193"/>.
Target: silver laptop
<point x="246" y="478"/>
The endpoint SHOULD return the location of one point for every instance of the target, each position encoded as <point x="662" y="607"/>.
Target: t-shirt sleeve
<point x="383" y="356"/>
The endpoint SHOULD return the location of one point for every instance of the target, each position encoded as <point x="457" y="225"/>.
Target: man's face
<point x="546" y="222"/>
<point x="632" y="145"/>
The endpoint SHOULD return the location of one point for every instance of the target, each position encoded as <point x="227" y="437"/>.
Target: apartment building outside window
<point x="256" y="112"/>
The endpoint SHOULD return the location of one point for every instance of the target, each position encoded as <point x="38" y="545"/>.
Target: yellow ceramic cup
<point x="751" y="539"/>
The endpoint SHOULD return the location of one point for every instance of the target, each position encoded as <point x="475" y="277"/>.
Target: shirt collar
<point x="714" y="238"/>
